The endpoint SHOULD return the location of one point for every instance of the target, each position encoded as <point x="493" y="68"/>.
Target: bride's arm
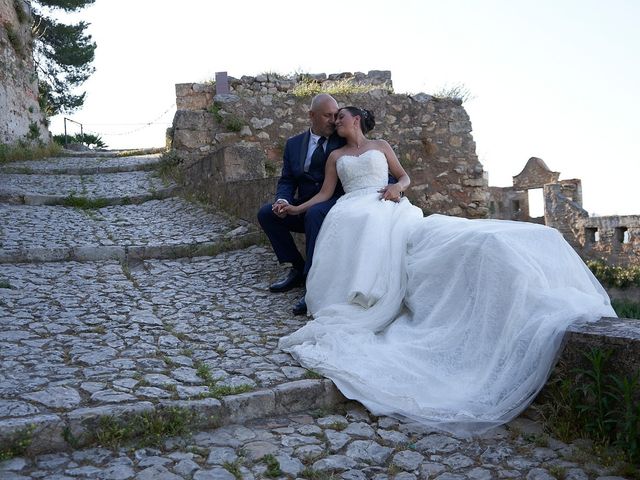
<point x="325" y="193"/>
<point x="393" y="191"/>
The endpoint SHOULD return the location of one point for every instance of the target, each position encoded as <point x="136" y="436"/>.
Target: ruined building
<point x="615" y="239"/>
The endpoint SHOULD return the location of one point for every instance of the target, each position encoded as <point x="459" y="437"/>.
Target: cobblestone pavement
<point x="89" y="349"/>
<point x="106" y="185"/>
<point x="82" y="166"/>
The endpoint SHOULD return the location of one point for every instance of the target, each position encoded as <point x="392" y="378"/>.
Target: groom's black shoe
<point x="295" y="278"/>
<point x="300" y="308"/>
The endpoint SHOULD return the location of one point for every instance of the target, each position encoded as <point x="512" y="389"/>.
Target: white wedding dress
<point x="451" y="322"/>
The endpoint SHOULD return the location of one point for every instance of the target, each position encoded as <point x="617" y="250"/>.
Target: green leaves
<point x="63" y="55"/>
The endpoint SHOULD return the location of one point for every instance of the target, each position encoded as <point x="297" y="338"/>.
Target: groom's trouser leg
<point x="278" y="230"/>
<point x="312" y="222"/>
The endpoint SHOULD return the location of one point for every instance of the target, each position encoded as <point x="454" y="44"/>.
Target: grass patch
<point x="24" y="151"/>
<point x="311" y="375"/>
<point x="308" y="87"/>
<point x="457" y="91"/>
<point x="17" y="444"/>
<point x="5" y="284"/>
<point x="84" y="203"/>
<point x="273" y="466"/>
<point x="626" y="309"/>
<point x="215" y="390"/>
<point x="233" y="468"/>
<point x="148" y="429"/>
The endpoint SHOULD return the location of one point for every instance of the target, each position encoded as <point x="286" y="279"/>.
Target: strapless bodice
<point x="367" y="170"/>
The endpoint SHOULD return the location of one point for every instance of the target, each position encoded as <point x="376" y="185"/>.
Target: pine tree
<point x="63" y="55"/>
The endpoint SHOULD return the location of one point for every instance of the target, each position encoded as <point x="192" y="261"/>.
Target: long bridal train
<point x="451" y="322"/>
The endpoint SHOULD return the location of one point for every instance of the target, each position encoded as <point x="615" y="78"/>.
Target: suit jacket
<point x="295" y="185"/>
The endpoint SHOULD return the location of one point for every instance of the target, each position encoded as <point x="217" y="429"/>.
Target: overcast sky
<point x="555" y="79"/>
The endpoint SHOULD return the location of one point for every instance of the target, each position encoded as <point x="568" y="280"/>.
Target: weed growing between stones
<point x="17" y="443"/>
<point x="234" y="468"/>
<point x="169" y="168"/>
<point x="231" y="122"/>
<point x="312" y="474"/>
<point x="311" y="375"/>
<point x="597" y="404"/>
<point x="5" y="284"/>
<point x="215" y="390"/>
<point x="84" y="203"/>
<point x="147" y="429"/>
<point x="273" y="466"/>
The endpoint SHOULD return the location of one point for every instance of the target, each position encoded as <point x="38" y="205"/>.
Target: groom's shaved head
<point x="322" y="114"/>
<point x="321" y="100"/>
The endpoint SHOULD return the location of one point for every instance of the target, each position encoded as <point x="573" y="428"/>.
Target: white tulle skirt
<point x="451" y="322"/>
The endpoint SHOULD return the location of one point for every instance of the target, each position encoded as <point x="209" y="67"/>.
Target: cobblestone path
<point x="151" y="315"/>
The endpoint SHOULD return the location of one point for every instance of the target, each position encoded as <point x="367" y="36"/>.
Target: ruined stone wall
<point x="507" y="203"/>
<point x="432" y="138"/>
<point x="20" y="115"/>
<point x="614" y="239"/>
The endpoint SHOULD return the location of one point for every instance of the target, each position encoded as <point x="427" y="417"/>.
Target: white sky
<point x="556" y="79"/>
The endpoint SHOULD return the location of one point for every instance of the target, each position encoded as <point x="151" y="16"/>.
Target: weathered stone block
<point x="248" y="406"/>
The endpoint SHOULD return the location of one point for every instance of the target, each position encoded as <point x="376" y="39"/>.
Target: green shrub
<point x="595" y="403"/>
<point x="91" y="140"/>
<point x="614" y="275"/>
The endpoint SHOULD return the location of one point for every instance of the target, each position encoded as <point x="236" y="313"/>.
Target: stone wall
<point x="20" y="115"/>
<point x="214" y="134"/>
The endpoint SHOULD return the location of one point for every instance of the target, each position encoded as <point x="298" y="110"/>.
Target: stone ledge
<point x="126" y="253"/>
<point x="51" y="433"/>
<point x="620" y="335"/>
<point x="19" y="198"/>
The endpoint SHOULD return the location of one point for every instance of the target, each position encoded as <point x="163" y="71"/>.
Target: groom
<point x="304" y="159"/>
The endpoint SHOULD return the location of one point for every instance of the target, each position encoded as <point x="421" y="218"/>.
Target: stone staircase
<point x="132" y="306"/>
<point x="136" y="303"/>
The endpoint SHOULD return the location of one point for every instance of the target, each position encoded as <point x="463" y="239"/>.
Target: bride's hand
<point x="391" y="192"/>
<point x="291" y="210"/>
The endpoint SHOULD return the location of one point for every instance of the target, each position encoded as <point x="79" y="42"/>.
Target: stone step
<point x="170" y="228"/>
<point x="112" y="188"/>
<point x="83" y="165"/>
<point x="89" y="337"/>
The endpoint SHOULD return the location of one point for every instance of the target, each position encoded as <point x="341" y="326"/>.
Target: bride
<point x="450" y="322"/>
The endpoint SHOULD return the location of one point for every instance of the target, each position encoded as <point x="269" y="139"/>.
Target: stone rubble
<point x="101" y="338"/>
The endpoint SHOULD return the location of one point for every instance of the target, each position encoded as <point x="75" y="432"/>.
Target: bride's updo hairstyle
<point x="367" y="118"/>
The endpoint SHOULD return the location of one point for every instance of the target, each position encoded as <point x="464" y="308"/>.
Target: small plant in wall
<point x="231" y="122"/>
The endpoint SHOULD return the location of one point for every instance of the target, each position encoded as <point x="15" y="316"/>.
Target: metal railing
<point x="66" y="138"/>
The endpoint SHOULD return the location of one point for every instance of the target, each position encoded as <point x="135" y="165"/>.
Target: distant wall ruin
<point x="614" y="239"/>
<point x="232" y="143"/>
<point x="20" y="115"/>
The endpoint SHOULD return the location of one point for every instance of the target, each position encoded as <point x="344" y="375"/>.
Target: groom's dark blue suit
<point x="297" y="186"/>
